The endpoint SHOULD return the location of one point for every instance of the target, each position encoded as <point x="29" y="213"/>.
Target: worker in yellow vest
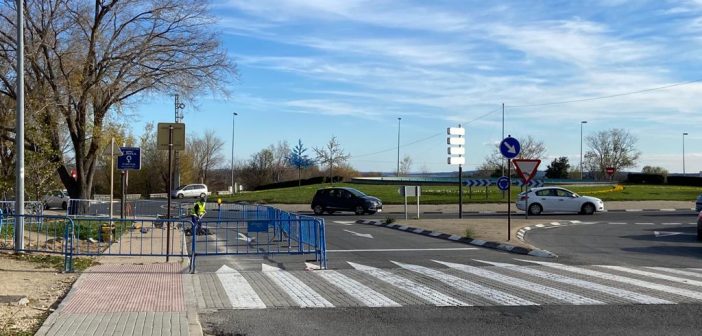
<point x="197" y="212"/>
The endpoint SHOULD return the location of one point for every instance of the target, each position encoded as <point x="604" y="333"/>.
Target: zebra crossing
<point x="523" y="283"/>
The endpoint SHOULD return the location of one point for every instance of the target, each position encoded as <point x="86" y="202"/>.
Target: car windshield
<point x="355" y="192"/>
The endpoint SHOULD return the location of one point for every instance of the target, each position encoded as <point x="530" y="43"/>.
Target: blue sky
<point x="313" y="69"/>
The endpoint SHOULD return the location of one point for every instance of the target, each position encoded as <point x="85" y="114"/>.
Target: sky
<point x="314" y="69"/>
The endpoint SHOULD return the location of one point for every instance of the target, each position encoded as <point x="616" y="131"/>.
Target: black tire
<point x="64" y="205"/>
<point x="203" y="195"/>
<point x="587" y="209"/>
<point x="46" y="206"/>
<point x="359" y="210"/>
<point x="180" y="196"/>
<point x="318" y="209"/>
<point x="535" y="209"/>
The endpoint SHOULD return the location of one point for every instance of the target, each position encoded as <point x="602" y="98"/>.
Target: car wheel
<point x="203" y="195"/>
<point x="181" y="195"/>
<point x="64" y="205"/>
<point x="588" y="209"/>
<point x="535" y="209"/>
<point x="46" y="206"/>
<point x="318" y="209"/>
<point x="360" y="210"/>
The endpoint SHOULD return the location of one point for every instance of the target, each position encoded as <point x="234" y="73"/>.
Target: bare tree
<point x="87" y="60"/>
<point x="206" y="153"/>
<point x="281" y="152"/>
<point x="405" y="165"/>
<point x="610" y="148"/>
<point x="530" y="149"/>
<point x="331" y="155"/>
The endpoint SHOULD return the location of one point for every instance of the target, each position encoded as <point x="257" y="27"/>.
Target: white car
<point x="56" y="199"/>
<point x="191" y="190"/>
<point x="552" y="199"/>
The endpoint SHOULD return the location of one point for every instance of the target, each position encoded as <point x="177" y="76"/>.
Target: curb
<point x="521" y="233"/>
<point x="477" y="242"/>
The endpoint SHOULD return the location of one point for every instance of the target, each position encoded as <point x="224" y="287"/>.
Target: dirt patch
<point x="42" y="285"/>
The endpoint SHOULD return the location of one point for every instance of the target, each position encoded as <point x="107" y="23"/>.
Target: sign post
<point x="610" y="172"/>
<point x="510" y="148"/>
<point x="456" y="151"/>
<point x="170" y="136"/>
<point x="130" y="159"/>
<point x="410" y="191"/>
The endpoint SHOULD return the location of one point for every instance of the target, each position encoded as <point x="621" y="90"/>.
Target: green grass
<point x="447" y="194"/>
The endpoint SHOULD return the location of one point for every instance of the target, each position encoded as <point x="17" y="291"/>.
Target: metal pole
<point x="234" y="114"/>
<point x="581" y="148"/>
<point x="178" y="119"/>
<point x="683" y="136"/>
<point x="19" y="134"/>
<point x="170" y="176"/>
<point x="460" y="191"/>
<point x="112" y="175"/>
<point x="398" y="146"/>
<point x="509" y="204"/>
<point x="503" y="136"/>
<point x="124" y="196"/>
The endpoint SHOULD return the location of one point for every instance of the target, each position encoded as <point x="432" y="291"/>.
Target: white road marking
<point x="407" y="250"/>
<point x="493" y="295"/>
<point x="311" y="267"/>
<point x="540" y="225"/>
<point x="428" y="294"/>
<point x="677" y="271"/>
<point x="345" y="222"/>
<point x="298" y="291"/>
<point x="523" y="284"/>
<point x="616" y="223"/>
<point x="240" y="293"/>
<point x="672" y="223"/>
<point x="618" y="292"/>
<point x="643" y="223"/>
<point x="653" y="275"/>
<point x="357" y="290"/>
<point x="669" y="233"/>
<point x="633" y="210"/>
<point x="365" y="235"/>
<point x="668" y="210"/>
<point x="631" y="281"/>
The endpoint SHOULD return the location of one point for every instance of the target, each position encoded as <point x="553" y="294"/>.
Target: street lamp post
<point x="581" y="148"/>
<point x="683" y="140"/>
<point x="398" y="146"/>
<point x="234" y="114"/>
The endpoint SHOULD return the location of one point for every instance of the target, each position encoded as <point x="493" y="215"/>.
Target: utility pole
<point x="176" y="165"/>
<point x="398" y="146"/>
<point x="19" y="134"/>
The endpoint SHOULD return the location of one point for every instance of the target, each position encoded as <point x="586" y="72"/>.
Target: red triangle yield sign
<point x="526" y="168"/>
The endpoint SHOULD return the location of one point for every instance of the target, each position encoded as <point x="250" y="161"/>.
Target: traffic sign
<point x="610" y="170"/>
<point x="510" y="147"/>
<point x="526" y="168"/>
<point x="531" y="183"/>
<point x="130" y="159"/>
<point x="177" y="137"/>
<point x="503" y="183"/>
<point x="477" y="183"/>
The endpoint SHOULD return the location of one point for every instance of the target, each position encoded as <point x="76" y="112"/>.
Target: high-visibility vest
<point x="199" y="208"/>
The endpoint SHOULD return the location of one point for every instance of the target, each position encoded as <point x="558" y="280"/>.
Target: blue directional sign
<point x="503" y="183"/>
<point x="130" y="159"/>
<point x="510" y="147"/>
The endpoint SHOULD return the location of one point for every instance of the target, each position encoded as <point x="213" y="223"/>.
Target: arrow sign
<point x="365" y="235"/>
<point x="526" y="168"/>
<point x="667" y="233"/>
<point x="503" y="183"/>
<point x="510" y="147"/>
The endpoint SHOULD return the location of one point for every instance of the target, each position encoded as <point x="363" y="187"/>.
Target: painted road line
<point x="667" y="210"/>
<point x="558" y="294"/>
<point x="428" y="294"/>
<point x="643" y="223"/>
<point x="365" y="235"/>
<point x="407" y="250"/>
<point x="240" y="293"/>
<point x="612" y="277"/>
<point x="493" y="295"/>
<point x="671" y="223"/>
<point x="617" y="292"/>
<point x="539" y="225"/>
<point x="633" y="210"/>
<point x="303" y="295"/>
<point x="357" y="290"/>
<point x="616" y="223"/>
<point x="654" y="275"/>
<point x="677" y="271"/>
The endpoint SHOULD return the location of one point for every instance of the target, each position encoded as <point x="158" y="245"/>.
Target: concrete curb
<point x="477" y="242"/>
<point x="489" y="212"/>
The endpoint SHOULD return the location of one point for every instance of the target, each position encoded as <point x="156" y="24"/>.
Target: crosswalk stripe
<point x="494" y="295"/>
<point x="617" y="278"/>
<point x="435" y="297"/>
<point x="653" y="275"/>
<point x="618" y="292"/>
<point x="298" y="291"/>
<point x="527" y="285"/>
<point x="357" y="290"/>
<point x="240" y="293"/>
<point x="677" y="271"/>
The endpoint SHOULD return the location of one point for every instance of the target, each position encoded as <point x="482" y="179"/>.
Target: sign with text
<point x="130" y="158"/>
<point x="177" y="138"/>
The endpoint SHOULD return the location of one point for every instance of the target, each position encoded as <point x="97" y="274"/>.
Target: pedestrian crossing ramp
<point x="523" y="283"/>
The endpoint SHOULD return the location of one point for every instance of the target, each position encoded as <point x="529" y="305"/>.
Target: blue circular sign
<point x="503" y="183"/>
<point x="510" y="147"/>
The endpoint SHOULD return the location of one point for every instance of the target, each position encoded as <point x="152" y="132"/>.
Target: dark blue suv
<point x="330" y="200"/>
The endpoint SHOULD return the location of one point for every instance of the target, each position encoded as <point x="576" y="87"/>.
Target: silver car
<point x="191" y="190"/>
<point x="553" y="199"/>
<point x="56" y="199"/>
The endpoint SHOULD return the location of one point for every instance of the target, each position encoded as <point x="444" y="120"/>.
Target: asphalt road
<point x="630" y="240"/>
